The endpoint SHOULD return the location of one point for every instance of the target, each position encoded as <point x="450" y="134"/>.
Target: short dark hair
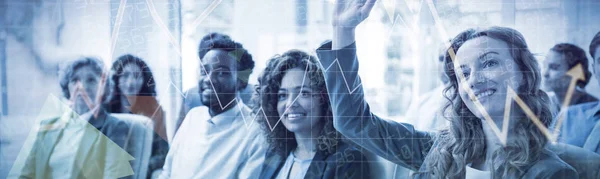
<point x="594" y="44"/>
<point x="207" y="42"/>
<point x="573" y="55"/>
<point x="148" y="87"/>
<point x="245" y="64"/>
<point x="66" y="73"/>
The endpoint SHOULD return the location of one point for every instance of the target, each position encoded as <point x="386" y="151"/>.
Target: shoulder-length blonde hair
<point x="463" y="141"/>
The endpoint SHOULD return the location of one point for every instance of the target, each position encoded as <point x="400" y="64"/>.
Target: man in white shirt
<point x="220" y="138"/>
<point x="192" y="98"/>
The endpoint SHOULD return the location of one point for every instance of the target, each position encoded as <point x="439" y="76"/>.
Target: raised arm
<point x="397" y="142"/>
<point x="346" y="16"/>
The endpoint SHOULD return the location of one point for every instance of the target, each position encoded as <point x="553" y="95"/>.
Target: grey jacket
<point x="397" y="142"/>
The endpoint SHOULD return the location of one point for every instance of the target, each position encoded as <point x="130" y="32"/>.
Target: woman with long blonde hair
<point x="492" y="62"/>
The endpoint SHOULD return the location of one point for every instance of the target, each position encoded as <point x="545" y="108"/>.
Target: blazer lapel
<point x="89" y="139"/>
<point x="317" y="166"/>
<point x="48" y="135"/>
<point x="48" y="140"/>
<point x="272" y="165"/>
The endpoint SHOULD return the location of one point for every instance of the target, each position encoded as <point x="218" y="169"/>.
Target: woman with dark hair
<point x="135" y="92"/>
<point x="560" y="59"/>
<point x="483" y="66"/>
<point x="296" y="116"/>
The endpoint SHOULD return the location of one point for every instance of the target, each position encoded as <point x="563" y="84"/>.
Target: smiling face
<point x="131" y="80"/>
<point x="554" y="70"/>
<point x="220" y="72"/>
<point x="489" y="69"/>
<point x="304" y="103"/>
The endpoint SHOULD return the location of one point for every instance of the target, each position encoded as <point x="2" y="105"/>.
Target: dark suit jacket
<point x="345" y="162"/>
<point x="397" y="142"/>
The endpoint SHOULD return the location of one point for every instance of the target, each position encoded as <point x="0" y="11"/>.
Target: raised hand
<point x="347" y="14"/>
<point x="350" y="13"/>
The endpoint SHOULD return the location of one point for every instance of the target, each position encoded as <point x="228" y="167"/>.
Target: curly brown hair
<point x="280" y="139"/>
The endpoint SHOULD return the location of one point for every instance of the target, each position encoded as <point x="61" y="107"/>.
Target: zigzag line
<point x="236" y="101"/>
<point x="173" y="41"/>
<point x="162" y="26"/>
<point x="115" y="31"/>
<point x="502" y="135"/>
<point x="336" y="61"/>
<point x="205" y="13"/>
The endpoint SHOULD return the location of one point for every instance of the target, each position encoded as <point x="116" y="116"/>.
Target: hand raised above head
<point x="350" y="13"/>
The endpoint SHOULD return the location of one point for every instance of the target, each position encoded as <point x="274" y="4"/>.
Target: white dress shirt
<point x="229" y="145"/>
<point x="291" y="160"/>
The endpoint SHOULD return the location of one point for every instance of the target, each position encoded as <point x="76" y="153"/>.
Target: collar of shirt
<point x="229" y="116"/>
<point x="590" y="113"/>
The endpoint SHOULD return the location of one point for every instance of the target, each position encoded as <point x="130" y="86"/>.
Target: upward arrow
<point x="576" y="74"/>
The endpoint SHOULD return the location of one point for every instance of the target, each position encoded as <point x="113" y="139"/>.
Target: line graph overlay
<point x="574" y="72"/>
<point x="501" y="134"/>
<point x="176" y="45"/>
<point x="254" y="117"/>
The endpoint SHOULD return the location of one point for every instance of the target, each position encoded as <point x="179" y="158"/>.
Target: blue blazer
<point x="345" y="162"/>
